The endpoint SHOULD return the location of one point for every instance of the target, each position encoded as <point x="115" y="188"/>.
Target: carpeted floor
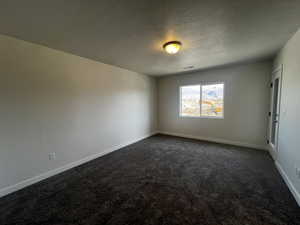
<point x="161" y="180"/>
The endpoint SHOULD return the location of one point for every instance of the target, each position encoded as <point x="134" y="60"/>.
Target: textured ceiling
<point x="130" y="33"/>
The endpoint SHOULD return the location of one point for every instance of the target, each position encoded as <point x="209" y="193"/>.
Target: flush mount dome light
<point x="172" y="47"/>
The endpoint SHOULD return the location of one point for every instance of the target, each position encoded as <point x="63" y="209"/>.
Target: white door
<point x="274" y="114"/>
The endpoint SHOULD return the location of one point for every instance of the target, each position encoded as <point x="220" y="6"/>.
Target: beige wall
<point x="288" y="155"/>
<point x="51" y="101"/>
<point x="246" y="105"/>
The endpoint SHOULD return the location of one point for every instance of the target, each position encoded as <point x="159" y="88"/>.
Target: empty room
<point x="150" y="112"/>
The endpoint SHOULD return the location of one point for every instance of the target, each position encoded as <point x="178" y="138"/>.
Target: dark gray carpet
<point x="161" y="180"/>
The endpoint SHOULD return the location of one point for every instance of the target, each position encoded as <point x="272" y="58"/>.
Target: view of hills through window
<point x="202" y="100"/>
<point x="190" y="99"/>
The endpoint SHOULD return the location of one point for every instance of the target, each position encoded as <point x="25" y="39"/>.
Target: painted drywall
<point x="288" y="155"/>
<point x="246" y="103"/>
<point x="51" y="101"/>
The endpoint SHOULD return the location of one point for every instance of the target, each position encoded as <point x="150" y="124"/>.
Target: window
<point x="190" y="99"/>
<point x="203" y="100"/>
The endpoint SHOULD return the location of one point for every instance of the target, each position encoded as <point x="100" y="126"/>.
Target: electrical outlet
<point x="52" y="156"/>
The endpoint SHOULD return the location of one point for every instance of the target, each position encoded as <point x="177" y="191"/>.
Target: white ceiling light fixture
<point x="172" y="47"/>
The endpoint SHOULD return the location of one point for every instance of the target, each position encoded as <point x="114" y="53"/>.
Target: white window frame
<point x="202" y="84"/>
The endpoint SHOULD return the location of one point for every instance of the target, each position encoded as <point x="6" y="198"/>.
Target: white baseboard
<point x="40" y="177"/>
<point x="287" y="180"/>
<point x="272" y="153"/>
<point x="217" y="140"/>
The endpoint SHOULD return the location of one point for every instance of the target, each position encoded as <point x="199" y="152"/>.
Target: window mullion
<point x="200" y="102"/>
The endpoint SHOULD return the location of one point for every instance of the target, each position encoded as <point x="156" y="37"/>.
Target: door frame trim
<point x="271" y="149"/>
